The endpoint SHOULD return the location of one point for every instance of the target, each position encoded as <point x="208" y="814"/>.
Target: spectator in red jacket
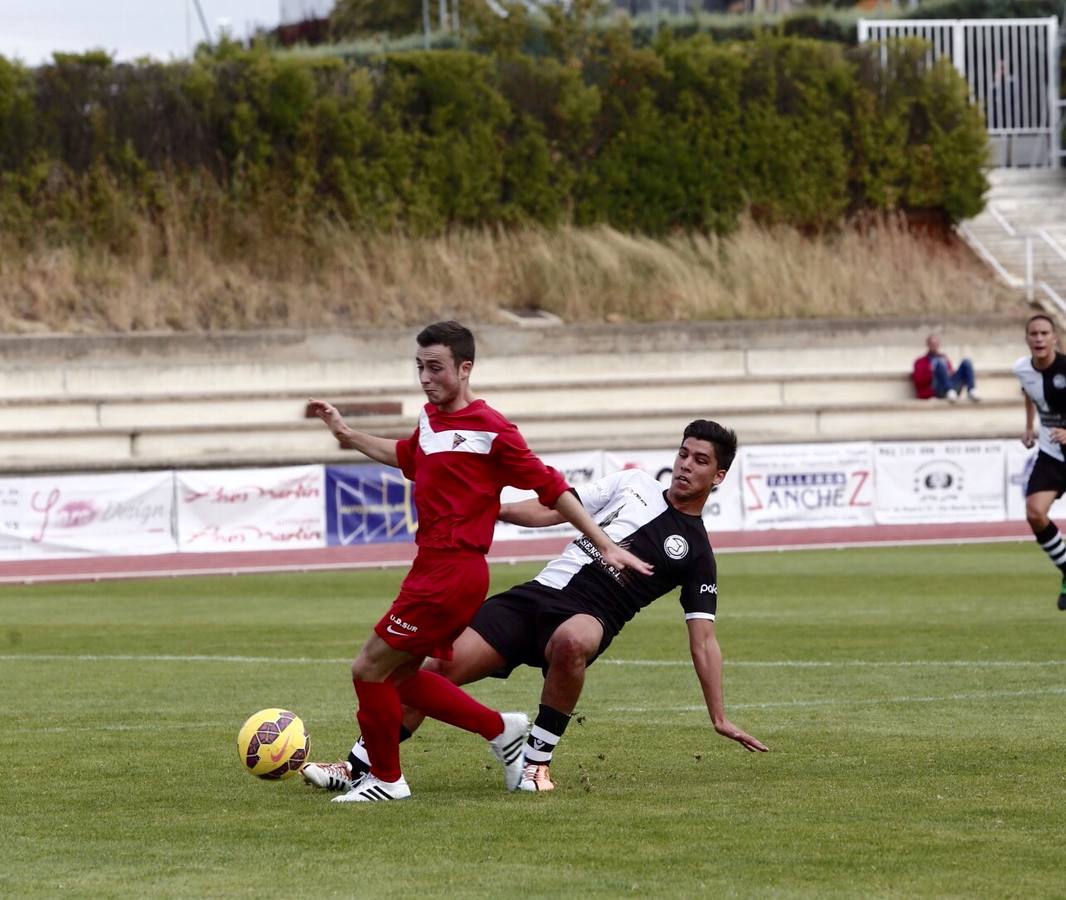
<point x="934" y="376"/>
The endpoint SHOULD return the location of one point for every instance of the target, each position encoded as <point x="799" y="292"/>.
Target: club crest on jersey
<point x="676" y="547"/>
<point x="1059" y="381"/>
<point x="457" y="439"/>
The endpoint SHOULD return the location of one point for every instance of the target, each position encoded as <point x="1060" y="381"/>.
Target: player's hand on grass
<point x="729" y="730"/>
<point x="621" y="559"/>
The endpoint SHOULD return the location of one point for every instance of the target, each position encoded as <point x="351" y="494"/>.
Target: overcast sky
<point x="30" y="30"/>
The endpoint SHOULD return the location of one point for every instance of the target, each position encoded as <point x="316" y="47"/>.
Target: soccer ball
<point x="273" y="743"/>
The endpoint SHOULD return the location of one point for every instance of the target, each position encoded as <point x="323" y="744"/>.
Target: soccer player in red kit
<point x="460" y="457"/>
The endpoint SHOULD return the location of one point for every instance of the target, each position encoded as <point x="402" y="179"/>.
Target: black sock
<point x="1051" y="542"/>
<point x="545" y="735"/>
<point x="358" y="759"/>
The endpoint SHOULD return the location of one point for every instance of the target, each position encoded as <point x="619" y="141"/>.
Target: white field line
<point x="853" y="663"/>
<point x="976" y="696"/>
<point x="650" y="663"/>
<point x="866" y="701"/>
<point x="142" y="726"/>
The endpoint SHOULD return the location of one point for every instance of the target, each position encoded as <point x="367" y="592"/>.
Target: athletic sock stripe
<point x="1048" y="545"/>
<point x="542" y="734"/>
<point x="538" y="756"/>
<point x="1058" y="555"/>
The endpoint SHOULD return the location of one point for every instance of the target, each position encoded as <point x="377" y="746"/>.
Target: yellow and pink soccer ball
<point x="273" y="744"/>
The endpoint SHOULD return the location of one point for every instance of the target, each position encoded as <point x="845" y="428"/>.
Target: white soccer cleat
<point x="329" y="776"/>
<point x="370" y="789"/>
<point x="507" y="748"/>
<point x="535" y="777"/>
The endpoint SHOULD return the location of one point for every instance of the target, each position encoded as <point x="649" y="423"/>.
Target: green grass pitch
<point x="913" y="699"/>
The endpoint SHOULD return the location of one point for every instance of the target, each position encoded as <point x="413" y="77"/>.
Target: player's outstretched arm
<point x="379" y="449"/>
<point x="570" y="508"/>
<point x="529" y="514"/>
<point x="707" y="660"/>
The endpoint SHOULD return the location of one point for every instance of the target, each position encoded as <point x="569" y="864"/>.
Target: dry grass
<point x="181" y="278"/>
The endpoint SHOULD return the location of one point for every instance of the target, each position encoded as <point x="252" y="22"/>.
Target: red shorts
<point x="437" y="600"/>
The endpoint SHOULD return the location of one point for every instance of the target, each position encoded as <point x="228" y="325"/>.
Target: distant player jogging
<point x="460" y="457"/>
<point x="1043" y="380"/>
<point x="568" y="615"/>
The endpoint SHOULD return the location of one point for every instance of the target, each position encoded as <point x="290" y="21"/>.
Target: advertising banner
<point x="940" y="481"/>
<point x="86" y="515"/>
<point x="368" y="504"/>
<point x="808" y="485"/>
<point x="723" y="511"/>
<point x="250" y="509"/>
<point x="578" y="468"/>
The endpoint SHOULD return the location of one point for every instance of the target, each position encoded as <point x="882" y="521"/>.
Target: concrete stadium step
<point x="281" y="443"/>
<point x="632" y="394"/>
<point x="239" y="400"/>
<point x="1021" y="203"/>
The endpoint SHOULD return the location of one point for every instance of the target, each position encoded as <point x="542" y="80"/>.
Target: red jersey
<point x="459" y="462"/>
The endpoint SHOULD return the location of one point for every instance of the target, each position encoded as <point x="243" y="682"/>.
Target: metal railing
<point x="1012" y="69"/>
<point x="988" y="257"/>
<point x="1029" y="282"/>
<point x="1060" y="252"/>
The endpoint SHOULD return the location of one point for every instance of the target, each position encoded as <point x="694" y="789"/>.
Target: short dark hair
<point x="457" y="338"/>
<point x="1043" y="316"/>
<point x="724" y="440"/>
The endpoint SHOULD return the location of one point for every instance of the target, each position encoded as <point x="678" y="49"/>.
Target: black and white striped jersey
<point x="1047" y="389"/>
<point x="631" y="507"/>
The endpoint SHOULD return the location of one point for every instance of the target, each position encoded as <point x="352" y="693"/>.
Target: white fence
<point x="1012" y="68"/>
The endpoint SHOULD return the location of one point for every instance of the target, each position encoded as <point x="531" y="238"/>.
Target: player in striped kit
<point x="1043" y="380"/>
<point x="460" y="457"/>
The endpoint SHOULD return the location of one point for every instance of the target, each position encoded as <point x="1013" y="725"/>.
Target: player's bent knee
<point x="568" y="650"/>
<point x="1036" y="514"/>
<point x="1037" y="521"/>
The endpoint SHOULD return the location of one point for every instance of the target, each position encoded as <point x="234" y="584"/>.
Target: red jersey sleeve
<point x="405" y="455"/>
<point x="522" y="468"/>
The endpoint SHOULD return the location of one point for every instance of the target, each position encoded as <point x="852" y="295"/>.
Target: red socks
<point x="437" y="697"/>
<point x="380" y="716"/>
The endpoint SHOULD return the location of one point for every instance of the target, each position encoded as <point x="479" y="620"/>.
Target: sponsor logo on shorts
<point x="676" y="547"/>
<point x="402" y="628"/>
<point x="709" y="589"/>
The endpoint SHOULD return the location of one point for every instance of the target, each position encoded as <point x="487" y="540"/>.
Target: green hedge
<point x="685" y="134"/>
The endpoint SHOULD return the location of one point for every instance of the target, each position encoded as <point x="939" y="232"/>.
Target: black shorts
<point x="1048" y="475"/>
<point x="519" y="622"/>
